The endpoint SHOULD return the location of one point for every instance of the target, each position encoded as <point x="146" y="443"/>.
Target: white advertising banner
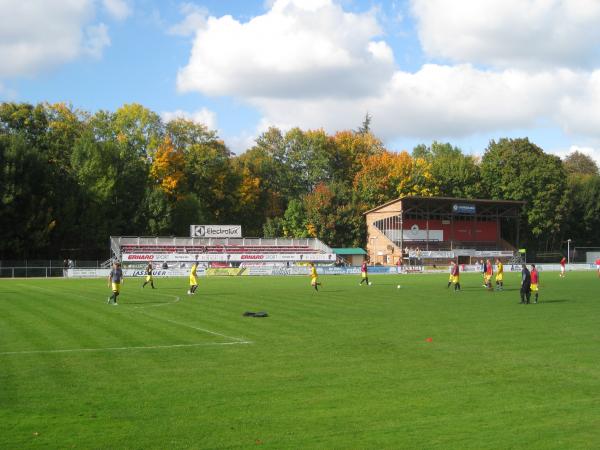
<point x="226" y="257"/>
<point x="216" y="231"/>
<point x="417" y="234"/>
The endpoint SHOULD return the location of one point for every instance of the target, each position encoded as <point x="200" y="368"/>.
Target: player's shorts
<point x="534" y="287"/>
<point x="450" y="278"/>
<point x="455" y="279"/>
<point x="313" y="281"/>
<point x="193" y="280"/>
<point x="487" y="278"/>
<point x="562" y="268"/>
<point x="499" y="276"/>
<point x="148" y="278"/>
<point x="116" y="287"/>
<point x="364" y="274"/>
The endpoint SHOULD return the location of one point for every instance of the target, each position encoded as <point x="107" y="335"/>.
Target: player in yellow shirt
<point x="115" y="279"/>
<point x="314" y="277"/>
<point x="149" y="277"/>
<point x="450" y="276"/>
<point x="193" y="279"/>
<point x="499" y="275"/>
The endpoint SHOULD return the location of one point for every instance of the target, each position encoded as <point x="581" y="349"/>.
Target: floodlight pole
<point x="568" y="251"/>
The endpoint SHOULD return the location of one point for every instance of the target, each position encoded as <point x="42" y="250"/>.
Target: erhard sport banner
<point x="216" y="231"/>
<point x="227" y="257"/>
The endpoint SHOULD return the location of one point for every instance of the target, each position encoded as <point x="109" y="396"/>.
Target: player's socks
<point x="449" y="283"/>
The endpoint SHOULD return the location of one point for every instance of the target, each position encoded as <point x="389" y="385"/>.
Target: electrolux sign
<point x="197" y="231"/>
<point x="463" y="208"/>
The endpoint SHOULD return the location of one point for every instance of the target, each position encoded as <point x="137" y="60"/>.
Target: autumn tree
<point x="387" y="175"/>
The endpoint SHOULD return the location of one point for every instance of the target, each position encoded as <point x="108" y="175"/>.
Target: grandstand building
<point x="218" y="252"/>
<point x="441" y="228"/>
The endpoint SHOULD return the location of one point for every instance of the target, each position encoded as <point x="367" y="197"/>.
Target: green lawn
<point x="347" y="367"/>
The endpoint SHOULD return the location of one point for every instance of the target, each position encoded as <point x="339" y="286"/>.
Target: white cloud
<point x="38" y="34"/>
<point x="96" y="39"/>
<point x="524" y="33"/>
<point x="435" y="101"/>
<point x="202" y="116"/>
<point x="118" y="9"/>
<point x="313" y="65"/>
<point x="195" y="19"/>
<point x="579" y="113"/>
<point x="297" y="49"/>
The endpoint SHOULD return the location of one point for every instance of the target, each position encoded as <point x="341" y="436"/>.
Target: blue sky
<point x="462" y="71"/>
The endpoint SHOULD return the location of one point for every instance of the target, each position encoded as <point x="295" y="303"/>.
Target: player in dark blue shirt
<point x="525" y="285"/>
<point x="115" y="279"/>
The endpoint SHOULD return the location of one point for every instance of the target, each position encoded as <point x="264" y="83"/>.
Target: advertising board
<point x="216" y="231"/>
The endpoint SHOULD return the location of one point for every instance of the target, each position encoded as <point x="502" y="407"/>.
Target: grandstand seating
<point x="215" y="249"/>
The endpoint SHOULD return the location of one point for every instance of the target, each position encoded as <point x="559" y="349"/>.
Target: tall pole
<point x="568" y="251"/>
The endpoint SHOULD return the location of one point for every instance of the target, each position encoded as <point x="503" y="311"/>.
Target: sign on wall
<point x="464" y="208"/>
<point x="215" y="231"/>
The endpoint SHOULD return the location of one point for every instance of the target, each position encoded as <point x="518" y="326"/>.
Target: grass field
<point x="348" y="367"/>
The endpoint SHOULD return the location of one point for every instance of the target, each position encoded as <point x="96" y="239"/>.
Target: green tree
<point x="516" y="169"/>
<point x="453" y="173"/>
<point x="582" y="222"/>
<point x="577" y="163"/>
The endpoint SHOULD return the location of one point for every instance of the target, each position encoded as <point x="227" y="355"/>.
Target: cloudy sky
<point x="462" y="71"/>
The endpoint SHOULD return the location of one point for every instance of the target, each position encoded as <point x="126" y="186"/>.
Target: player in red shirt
<point x="563" y="266"/>
<point x="598" y="266"/>
<point x="455" y="275"/>
<point x="535" y="279"/>
<point x="364" y="274"/>
<point x="489" y="271"/>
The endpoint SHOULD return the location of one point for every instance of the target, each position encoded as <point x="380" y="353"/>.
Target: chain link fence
<point x="42" y="268"/>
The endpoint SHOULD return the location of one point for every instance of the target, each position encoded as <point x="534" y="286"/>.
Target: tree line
<point x="69" y="179"/>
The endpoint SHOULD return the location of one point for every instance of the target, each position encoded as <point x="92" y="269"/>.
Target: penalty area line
<point x="110" y="349"/>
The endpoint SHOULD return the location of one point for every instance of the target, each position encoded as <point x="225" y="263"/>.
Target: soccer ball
<point x="370" y="283"/>
<point x="399" y="286"/>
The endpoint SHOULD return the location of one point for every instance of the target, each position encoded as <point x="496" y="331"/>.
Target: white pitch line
<point x="177" y="299"/>
<point x="198" y="328"/>
<point x="108" y="349"/>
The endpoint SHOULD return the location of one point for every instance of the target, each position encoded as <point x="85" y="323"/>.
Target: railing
<point x="31" y="272"/>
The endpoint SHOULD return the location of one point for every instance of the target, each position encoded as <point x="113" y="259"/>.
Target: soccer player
<point x="314" y="277"/>
<point x="115" y="279"/>
<point x="451" y="276"/>
<point x="149" y="278"/>
<point x="489" y="271"/>
<point x="563" y="266"/>
<point x="525" y="285"/>
<point x="483" y="271"/>
<point x="456" y="276"/>
<point x="535" y="279"/>
<point x="598" y="266"/>
<point x="193" y="279"/>
<point x="364" y="274"/>
<point x="499" y="275"/>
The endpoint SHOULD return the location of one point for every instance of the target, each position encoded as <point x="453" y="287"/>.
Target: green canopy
<point x="349" y="251"/>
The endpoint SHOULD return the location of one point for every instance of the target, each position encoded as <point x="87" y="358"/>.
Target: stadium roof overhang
<point x="448" y="206"/>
